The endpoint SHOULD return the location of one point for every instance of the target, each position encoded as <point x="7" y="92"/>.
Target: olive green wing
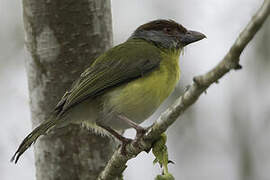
<point x="118" y="65"/>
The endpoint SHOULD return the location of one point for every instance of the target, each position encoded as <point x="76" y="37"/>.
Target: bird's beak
<point x="191" y="37"/>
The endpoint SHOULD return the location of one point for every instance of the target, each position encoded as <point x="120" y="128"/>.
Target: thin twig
<point x="117" y="164"/>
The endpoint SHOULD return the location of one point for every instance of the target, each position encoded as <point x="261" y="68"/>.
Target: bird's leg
<point x="122" y="139"/>
<point x="140" y="131"/>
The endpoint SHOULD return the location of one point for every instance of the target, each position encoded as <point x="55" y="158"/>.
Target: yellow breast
<point x="140" y="98"/>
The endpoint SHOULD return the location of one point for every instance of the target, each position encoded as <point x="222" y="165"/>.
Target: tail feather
<point x="32" y="137"/>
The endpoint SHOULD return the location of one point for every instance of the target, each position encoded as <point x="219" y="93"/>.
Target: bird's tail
<point x="32" y="137"/>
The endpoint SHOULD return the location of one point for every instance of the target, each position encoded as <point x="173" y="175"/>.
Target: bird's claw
<point x="125" y="142"/>
<point x="140" y="132"/>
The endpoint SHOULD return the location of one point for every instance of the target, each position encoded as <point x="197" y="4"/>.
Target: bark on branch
<point x="117" y="163"/>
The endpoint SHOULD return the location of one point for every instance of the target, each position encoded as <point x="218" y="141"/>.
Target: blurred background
<point x="224" y="136"/>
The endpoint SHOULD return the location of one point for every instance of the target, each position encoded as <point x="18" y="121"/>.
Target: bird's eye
<point x="167" y="30"/>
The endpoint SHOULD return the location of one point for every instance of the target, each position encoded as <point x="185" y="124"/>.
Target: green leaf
<point x="160" y="152"/>
<point x="165" y="177"/>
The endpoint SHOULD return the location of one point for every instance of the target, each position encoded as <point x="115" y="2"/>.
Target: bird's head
<point x="167" y="34"/>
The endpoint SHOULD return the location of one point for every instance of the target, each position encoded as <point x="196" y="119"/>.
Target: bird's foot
<point x="125" y="142"/>
<point x="140" y="131"/>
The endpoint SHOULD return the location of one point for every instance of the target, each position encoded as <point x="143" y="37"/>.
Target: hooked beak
<point x="191" y="37"/>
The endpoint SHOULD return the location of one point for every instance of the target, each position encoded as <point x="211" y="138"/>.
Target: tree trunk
<point x="62" y="39"/>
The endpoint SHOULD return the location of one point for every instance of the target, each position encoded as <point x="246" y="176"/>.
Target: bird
<point x="124" y="85"/>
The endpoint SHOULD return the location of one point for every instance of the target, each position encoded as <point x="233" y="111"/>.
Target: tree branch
<point x="117" y="163"/>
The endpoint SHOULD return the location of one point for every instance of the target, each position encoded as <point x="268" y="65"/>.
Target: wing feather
<point x="118" y="65"/>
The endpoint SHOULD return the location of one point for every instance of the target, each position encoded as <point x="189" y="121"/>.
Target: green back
<point x="118" y="65"/>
